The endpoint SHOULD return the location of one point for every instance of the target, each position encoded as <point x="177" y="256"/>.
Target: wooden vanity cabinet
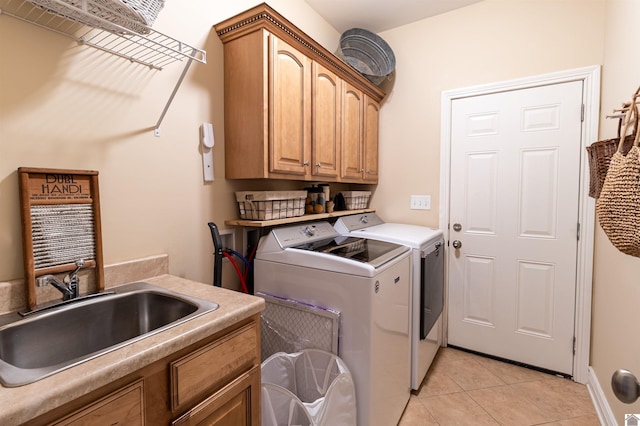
<point x="213" y="382"/>
<point x="124" y="406"/>
<point x="284" y="105"/>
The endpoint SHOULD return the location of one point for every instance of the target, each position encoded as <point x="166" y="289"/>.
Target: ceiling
<point x="381" y="15"/>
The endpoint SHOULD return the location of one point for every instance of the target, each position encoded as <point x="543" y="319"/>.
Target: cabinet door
<point x="289" y="109"/>
<point x="370" y="139"/>
<point x="122" y="407"/>
<point x="326" y="131"/>
<point x="237" y="404"/>
<point x="352" y="122"/>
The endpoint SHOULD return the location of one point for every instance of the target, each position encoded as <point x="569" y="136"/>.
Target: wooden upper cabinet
<point x="289" y="109"/>
<point x="246" y="97"/>
<point x="370" y="139"/>
<point x="285" y="112"/>
<point x="326" y="123"/>
<point x="352" y="101"/>
<point x="359" y="137"/>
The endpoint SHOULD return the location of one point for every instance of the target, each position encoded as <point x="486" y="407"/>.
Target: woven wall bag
<point x="599" y="155"/>
<point x="618" y="207"/>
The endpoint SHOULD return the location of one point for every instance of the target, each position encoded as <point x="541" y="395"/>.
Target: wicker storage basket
<point x="356" y="200"/>
<point x="135" y="15"/>
<point x="600" y="153"/>
<point x="269" y="205"/>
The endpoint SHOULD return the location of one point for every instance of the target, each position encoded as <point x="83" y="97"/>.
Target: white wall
<point x="615" y="340"/>
<point x="66" y="106"/>
<point x="490" y="41"/>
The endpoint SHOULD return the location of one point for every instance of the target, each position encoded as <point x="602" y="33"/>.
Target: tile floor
<point x="466" y="389"/>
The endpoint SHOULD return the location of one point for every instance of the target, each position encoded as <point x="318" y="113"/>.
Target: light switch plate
<point x="421" y="202"/>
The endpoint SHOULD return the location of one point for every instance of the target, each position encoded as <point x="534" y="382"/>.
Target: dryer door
<point x="431" y="287"/>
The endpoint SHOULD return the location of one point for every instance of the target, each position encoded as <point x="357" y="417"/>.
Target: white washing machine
<point x="427" y="289"/>
<point x="368" y="282"/>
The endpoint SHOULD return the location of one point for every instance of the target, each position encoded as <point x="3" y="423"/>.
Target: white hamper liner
<point x="310" y="387"/>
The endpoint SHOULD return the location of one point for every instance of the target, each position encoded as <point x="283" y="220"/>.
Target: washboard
<point x="60" y="211"/>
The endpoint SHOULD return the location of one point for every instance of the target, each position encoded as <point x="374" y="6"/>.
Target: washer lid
<point x="372" y="252"/>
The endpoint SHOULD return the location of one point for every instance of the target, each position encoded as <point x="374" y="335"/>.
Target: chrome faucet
<point x="70" y="284"/>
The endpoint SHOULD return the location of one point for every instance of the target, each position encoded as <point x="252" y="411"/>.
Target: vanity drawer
<point x="211" y="367"/>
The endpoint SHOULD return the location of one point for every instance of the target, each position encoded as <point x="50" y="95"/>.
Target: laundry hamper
<point x="136" y="15"/>
<point x="308" y="388"/>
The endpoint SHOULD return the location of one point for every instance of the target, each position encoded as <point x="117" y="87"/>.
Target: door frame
<point x="590" y="76"/>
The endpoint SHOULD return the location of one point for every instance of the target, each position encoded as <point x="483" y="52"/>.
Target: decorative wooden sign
<point x="60" y="212"/>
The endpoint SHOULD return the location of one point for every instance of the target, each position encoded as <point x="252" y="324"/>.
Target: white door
<point x="515" y="168"/>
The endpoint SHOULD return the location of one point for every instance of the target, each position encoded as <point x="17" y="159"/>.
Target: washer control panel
<point x="304" y="233"/>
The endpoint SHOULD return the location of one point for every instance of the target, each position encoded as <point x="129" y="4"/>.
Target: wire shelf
<point x="144" y="46"/>
<point x="152" y="49"/>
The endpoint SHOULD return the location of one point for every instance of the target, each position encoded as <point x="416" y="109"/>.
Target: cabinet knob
<point x="318" y="165"/>
<point x="306" y="163"/>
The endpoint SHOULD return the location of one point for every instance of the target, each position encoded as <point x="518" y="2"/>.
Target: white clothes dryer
<point x="368" y="282"/>
<point x="427" y="278"/>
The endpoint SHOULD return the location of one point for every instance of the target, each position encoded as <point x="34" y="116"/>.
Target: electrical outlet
<point x="421" y="202"/>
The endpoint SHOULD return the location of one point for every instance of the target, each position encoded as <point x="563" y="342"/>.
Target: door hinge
<point x="582" y="113"/>
<point x="574" y="345"/>
<point x="578" y="232"/>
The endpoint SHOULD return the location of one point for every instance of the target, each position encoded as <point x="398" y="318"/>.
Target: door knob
<point x="625" y="386"/>
<point x="457" y="244"/>
<point x="457" y="227"/>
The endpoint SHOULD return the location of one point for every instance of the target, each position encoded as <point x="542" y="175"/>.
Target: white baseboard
<point x="599" y="400"/>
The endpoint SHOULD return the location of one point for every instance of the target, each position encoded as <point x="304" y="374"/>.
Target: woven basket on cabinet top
<point x="136" y="15"/>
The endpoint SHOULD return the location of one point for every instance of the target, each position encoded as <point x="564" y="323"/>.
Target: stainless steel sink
<point x="61" y="337"/>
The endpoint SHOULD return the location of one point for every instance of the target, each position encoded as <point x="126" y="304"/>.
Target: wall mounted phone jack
<point x="207" y="141"/>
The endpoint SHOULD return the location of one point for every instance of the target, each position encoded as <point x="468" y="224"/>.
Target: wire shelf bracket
<point x="148" y="47"/>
